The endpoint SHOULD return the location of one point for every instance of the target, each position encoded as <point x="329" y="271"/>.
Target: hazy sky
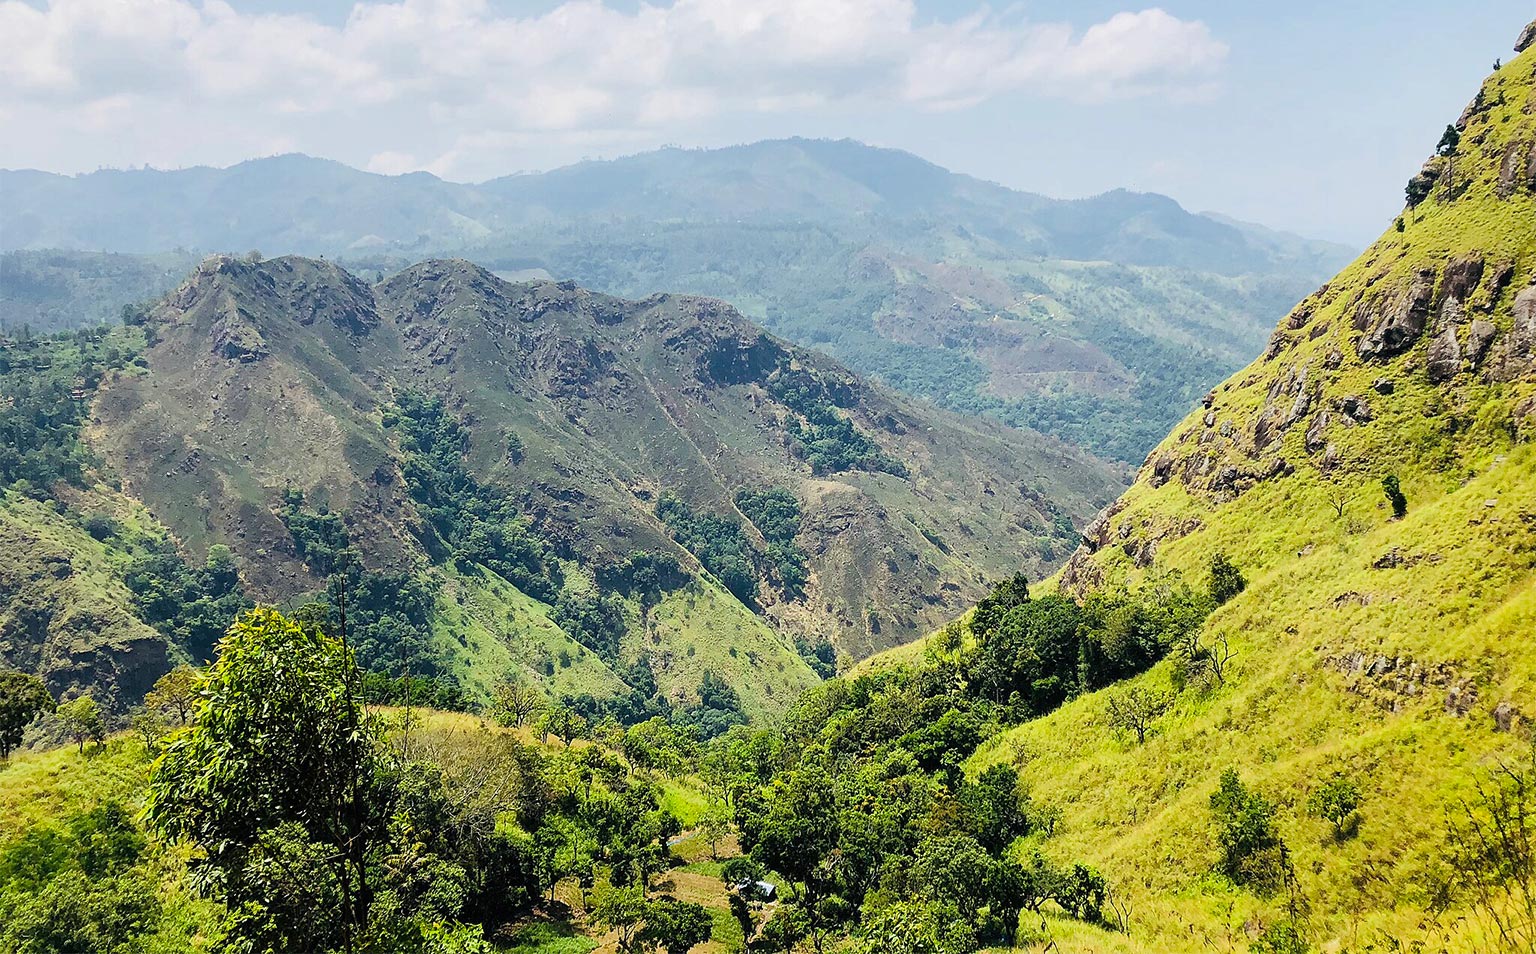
<point x="1307" y="115"/>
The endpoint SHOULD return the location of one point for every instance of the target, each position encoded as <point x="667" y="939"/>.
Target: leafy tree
<point x="514" y="701"/>
<point x="719" y="707"/>
<point x="1251" y="850"/>
<point x="775" y="512"/>
<point x="997" y="813"/>
<point x="1226" y="579"/>
<point x="619" y="909"/>
<point x="274" y="785"/>
<point x="82" y="720"/>
<point x="1005" y="596"/>
<point x="1338" y="801"/>
<point x="23" y="697"/>
<point x="1135" y="709"/>
<point x="675" y="927"/>
<point x="1449" y="141"/>
<point x="1394" y="492"/>
<point x="176" y="692"/>
<point x="916" y="927"/>
<point x="797" y="838"/>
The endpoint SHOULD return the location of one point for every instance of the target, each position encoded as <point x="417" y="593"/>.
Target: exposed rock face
<point x="1527" y="38"/>
<point x="1444" y="356"/>
<point x="1519" y="351"/>
<point x="1392" y="325"/>
<point x="1478" y="339"/>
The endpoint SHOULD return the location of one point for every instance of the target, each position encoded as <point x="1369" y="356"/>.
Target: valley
<point x="445" y="586"/>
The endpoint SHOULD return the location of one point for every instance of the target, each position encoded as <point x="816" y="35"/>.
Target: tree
<point x="83" y="720"/>
<point x="1493" y="851"/>
<point x="1394" y="492"/>
<point x="797" y="838"/>
<point x="916" y="927"/>
<point x="715" y="826"/>
<point x="1338" y="801"/>
<point x="618" y="909"/>
<point x="1136" y="709"/>
<point x="514" y="701"/>
<point x="1226" y="579"/>
<point x="1251" y="850"/>
<point x="274" y="784"/>
<point x="1449" y="141"/>
<point x="177" y="692"/>
<point x="148" y="725"/>
<point x="23" y="697"/>
<point x="675" y="927"/>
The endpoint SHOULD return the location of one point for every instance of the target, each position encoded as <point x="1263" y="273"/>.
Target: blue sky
<point x="1305" y="115"/>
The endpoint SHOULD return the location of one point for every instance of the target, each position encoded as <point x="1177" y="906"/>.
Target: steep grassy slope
<point x="1097" y="320"/>
<point x="1395" y="652"/>
<point x="581" y="411"/>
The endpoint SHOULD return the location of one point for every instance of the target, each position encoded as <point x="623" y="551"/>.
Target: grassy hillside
<point x="1391" y="651"/>
<point x="584" y="411"/>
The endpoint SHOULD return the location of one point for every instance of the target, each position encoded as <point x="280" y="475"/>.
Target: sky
<point x="1305" y="115"/>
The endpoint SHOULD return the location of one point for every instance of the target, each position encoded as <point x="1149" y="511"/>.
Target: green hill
<point x="1390" y="651"/>
<point x="1097" y="320"/>
<point x="489" y="459"/>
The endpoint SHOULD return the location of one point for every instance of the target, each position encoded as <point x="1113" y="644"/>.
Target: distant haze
<point x="1303" y="116"/>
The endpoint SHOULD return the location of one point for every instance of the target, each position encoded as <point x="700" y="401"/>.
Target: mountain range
<point x="1097" y="320"/>
<point x="285" y="409"/>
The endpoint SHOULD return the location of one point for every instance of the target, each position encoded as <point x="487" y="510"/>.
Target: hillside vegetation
<point x="1372" y="476"/>
<point x="611" y="500"/>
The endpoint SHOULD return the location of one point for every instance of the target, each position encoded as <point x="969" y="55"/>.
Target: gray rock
<point x="1444" y="356"/>
<point x="1478" y="339"/>
<point x="1393" y="325"/>
<point x="1505" y="715"/>
<point x="1383" y="386"/>
<point x="1527" y="38"/>
<point x="1317" y="433"/>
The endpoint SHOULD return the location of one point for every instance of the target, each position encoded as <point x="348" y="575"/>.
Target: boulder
<point x="1317" y="433"/>
<point x="1527" y="38"/>
<point x="1479" y="338"/>
<point x="1444" y="356"/>
<point x="1462" y="276"/>
<point x="1392" y="325"/>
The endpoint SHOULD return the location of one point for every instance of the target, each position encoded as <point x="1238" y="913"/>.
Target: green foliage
<point x="720" y="544"/>
<point x="719" y="708"/>
<point x="79" y="887"/>
<point x="45" y="384"/>
<point x="23" y="697"/>
<point x="916" y="927"/>
<point x="82" y="720"/>
<point x="675" y="927"/>
<point x="272" y="785"/>
<point x="1338" y="802"/>
<point x="1394" y="491"/>
<point x="1252" y="853"/>
<point x="1226" y="579"/>
<point x="820" y="434"/>
<point x="473" y="522"/>
<point x="1282" y="937"/>
<point x="1450" y="140"/>
<point x="775" y="512"/>
<point x="820" y="655"/>
<point x="319" y="536"/>
<point x="594" y="619"/>
<point x="193" y="606"/>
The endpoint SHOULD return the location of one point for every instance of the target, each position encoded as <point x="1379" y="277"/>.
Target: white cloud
<point x="419" y="83"/>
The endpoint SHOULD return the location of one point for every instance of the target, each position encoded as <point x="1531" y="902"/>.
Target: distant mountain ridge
<point x="518" y="444"/>
<point x="1094" y="319"/>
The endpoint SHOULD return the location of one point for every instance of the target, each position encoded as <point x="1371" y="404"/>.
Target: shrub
<point x="1226" y="579"/>
<point x="1252" y="853"/>
<point x="1394" y="492"/>
<point x="1338" y="801"/>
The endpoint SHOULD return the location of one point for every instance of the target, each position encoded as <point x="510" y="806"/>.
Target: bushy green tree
<point x="1337" y="801"/>
<point x="1226" y="579"/>
<point x="1252" y="852"/>
<point x="1394" y="491"/>
<point x="276" y="786"/>
<point x="23" y="697"/>
<point x="83" y="721"/>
